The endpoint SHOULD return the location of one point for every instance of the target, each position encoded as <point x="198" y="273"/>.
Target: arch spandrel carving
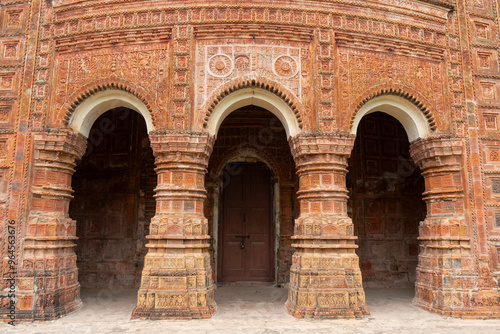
<point x="80" y="73"/>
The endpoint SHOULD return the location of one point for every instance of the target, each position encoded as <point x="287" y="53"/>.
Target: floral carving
<point x="495" y="186"/>
<point x="285" y="66"/>
<point x="220" y="65"/>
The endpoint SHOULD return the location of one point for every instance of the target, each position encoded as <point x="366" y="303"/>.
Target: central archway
<point x="257" y="97"/>
<point x="248" y="137"/>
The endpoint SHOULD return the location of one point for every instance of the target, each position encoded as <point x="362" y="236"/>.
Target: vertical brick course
<point x="49" y="258"/>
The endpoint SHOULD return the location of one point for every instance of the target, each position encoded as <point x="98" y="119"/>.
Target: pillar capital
<point x="322" y="148"/>
<point x="58" y="146"/>
<point x="179" y="147"/>
<point x="437" y="152"/>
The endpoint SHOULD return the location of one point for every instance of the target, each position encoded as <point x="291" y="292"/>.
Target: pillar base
<point x="487" y="305"/>
<point x="180" y="305"/>
<point x="459" y="303"/>
<point x="174" y="314"/>
<point x="43" y="313"/>
<point x="327" y="312"/>
<point x="326" y="286"/>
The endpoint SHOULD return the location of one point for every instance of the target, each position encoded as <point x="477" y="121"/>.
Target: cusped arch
<point x="403" y="104"/>
<point x="93" y="102"/>
<point x="258" y="91"/>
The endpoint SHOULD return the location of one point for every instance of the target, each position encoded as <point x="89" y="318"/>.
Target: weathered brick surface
<point x="48" y="276"/>
<point x="180" y="62"/>
<point x="177" y="276"/>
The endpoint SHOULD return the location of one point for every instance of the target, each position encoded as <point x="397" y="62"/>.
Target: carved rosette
<point x="447" y="280"/>
<point x="325" y="278"/>
<point x="285" y="66"/>
<point x="48" y="279"/>
<point x="220" y="65"/>
<point x="177" y="276"/>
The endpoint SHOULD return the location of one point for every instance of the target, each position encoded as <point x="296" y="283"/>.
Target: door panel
<point x="257" y="217"/>
<point x="247" y="212"/>
<point x="235" y="215"/>
<point x="234" y="263"/>
<point x="259" y="260"/>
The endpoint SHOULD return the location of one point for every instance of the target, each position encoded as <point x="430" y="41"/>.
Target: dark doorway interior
<point x="247" y="252"/>
<point x="114" y="203"/>
<point x="385" y="202"/>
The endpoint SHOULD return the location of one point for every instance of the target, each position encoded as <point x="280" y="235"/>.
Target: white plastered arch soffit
<point x="257" y="97"/>
<point x="412" y="119"/>
<point x="89" y="111"/>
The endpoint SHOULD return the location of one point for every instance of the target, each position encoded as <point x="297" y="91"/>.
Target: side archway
<point x="88" y="111"/>
<point x="408" y="114"/>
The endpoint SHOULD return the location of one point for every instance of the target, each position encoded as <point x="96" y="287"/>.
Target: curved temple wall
<point x="318" y="66"/>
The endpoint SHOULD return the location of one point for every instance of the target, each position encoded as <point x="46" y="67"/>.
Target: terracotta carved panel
<point x="362" y="72"/>
<point x="137" y="67"/>
<point x="218" y="64"/>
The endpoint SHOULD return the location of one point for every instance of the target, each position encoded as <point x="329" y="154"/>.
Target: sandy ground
<point x="250" y="310"/>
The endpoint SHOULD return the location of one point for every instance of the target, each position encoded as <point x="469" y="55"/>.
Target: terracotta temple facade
<point x="323" y="146"/>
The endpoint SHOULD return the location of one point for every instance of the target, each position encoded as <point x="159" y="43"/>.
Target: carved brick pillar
<point x="177" y="276"/>
<point x="445" y="271"/>
<point x="325" y="278"/>
<point x="48" y="277"/>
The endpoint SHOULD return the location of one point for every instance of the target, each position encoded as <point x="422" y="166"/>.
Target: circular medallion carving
<point x="285" y="66"/>
<point x="242" y="63"/>
<point x="220" y="65"/>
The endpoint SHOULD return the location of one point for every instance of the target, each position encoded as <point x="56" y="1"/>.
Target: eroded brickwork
<point x="319" y="67"/>
<point x="48" y="278"/>
<point x="177" y="276"/>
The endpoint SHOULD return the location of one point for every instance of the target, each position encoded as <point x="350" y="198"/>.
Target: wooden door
<point x="246" y="252"/>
